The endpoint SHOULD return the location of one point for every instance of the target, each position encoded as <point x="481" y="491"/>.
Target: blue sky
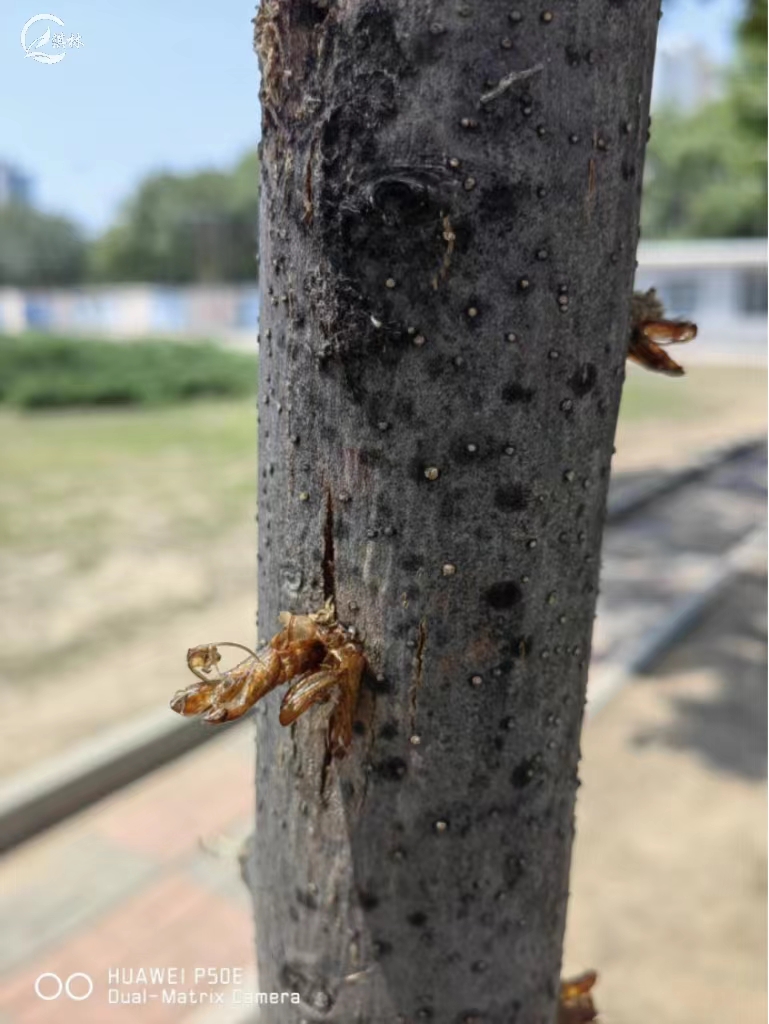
<point x="166" y="85"/>
<point x="709" y="22"/>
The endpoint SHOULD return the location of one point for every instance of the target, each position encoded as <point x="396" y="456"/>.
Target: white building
<point x="721" y="285"/>
<point x="227" y="313"/>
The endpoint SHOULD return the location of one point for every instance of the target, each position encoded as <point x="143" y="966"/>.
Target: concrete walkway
<point x="148" y="877"/>
<point x="668" y="884"/>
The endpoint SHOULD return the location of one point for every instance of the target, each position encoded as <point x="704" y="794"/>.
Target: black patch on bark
<point x="371" y="457"/>
<point x="394" y="222"/>
<point x="503" y="595"/>
<point x="460" y="453"/>
<point x="512" y="871"/>
<point x="324" y="770"/>
<point x="499" y="201"/>
<point x="427" y="47"/>
<point x="404" y="410"/>
<point x="524" y="772"/>
<point x="417" y="469"/>
<point x="309" y="13"/>
<point x="412" y="562"/>
<point x="399" y="202"/>
<point x="583" y="380"/>
<point x="392" y="769"/>
<point x="512" y="498"/>
<point x="451" y="502"/>
<point x="463" y="234"/>
<point x="513" y="393"/>
<point x="517" y="647"/>
<point x="377" y="685"/>
<point x="293" y="980"/>
<point x="368" y="900"/>
<point x="307" y="899"/>
<point x="376" y="28"/>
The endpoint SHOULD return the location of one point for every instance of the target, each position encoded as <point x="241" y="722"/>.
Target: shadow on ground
<point x="726" y="725"/>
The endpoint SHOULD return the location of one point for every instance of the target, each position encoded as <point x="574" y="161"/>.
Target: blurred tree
<point x="38" y="248"/>
<point x="177" y="228"/>
<point x="706" y="171"/>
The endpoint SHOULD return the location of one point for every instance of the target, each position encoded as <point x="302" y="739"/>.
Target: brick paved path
<point x="148" y="877"/>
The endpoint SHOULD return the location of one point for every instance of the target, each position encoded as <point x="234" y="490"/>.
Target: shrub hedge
<point x="40" y="371"/>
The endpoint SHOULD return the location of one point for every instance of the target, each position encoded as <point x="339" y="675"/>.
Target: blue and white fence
<point x="722" y="285"/>
<point x="225" y="313"/>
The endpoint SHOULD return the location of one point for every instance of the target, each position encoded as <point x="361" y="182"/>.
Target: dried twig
<point x="509" y="80"/>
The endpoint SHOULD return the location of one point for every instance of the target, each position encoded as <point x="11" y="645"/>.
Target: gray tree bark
<point x="450" y="199"/>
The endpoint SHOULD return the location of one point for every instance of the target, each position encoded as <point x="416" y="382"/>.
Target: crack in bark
<point x="294" y="744"/>
<point x="590" y="197"/>
<point x="329" y="573"/>
<point x="369" y="752"/>
<point x="416" y="682"/>
<point x="449" y="238"/>
<point x="324" y="772"/>
<point x="329" y="592"/>
<point x="309" y="207"/>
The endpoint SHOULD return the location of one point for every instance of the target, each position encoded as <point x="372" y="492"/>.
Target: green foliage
<point x="39" y="371"/>
<point x="182" y="228"/>
<point x="39" y="249"/>
<point x="706" y="172"/>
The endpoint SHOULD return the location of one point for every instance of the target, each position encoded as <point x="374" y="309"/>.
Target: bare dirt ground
<point x="101" y="597"/>
<point x="121" y="682"/>
<point x="665" y="422"/>
<point x="116" y="637"/>
<point x="125" y="538"/>
<point x="668" y="887"/>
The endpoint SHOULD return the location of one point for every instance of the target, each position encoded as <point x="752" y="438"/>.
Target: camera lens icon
<point x="49" y="986"/>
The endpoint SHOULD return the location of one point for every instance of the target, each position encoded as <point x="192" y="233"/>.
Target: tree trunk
<point x="450" y="198"/>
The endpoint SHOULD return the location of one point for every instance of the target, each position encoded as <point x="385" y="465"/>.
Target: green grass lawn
<point x="704" y="392"/>
<point x="85" y="480"/>
<point x="127" y="534"/>
<point x="112" y="519"/>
